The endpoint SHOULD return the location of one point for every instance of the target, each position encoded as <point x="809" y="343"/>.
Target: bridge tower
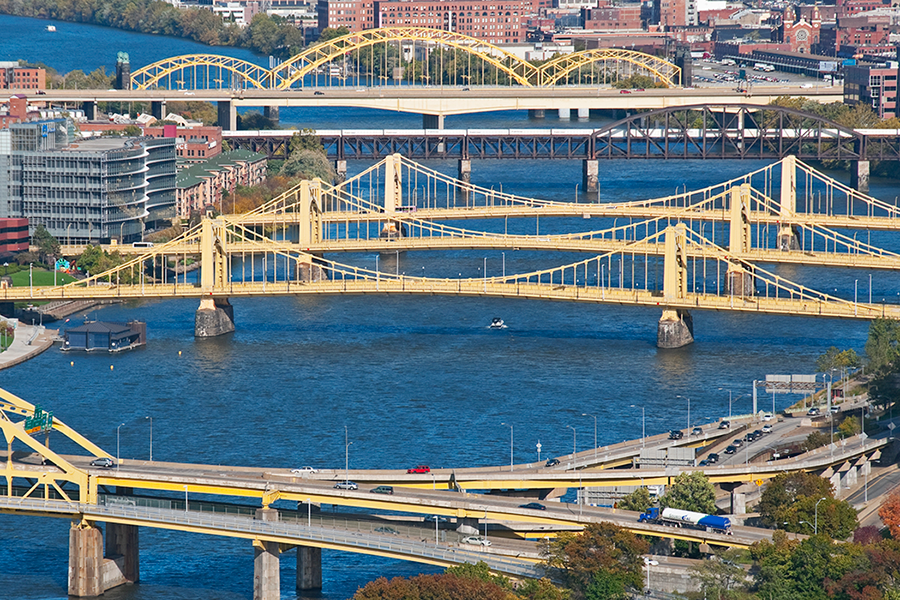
<point x="393" y="183"/>
<point x="788" y="239"/>
<point x="676" y="326"/>
<point x="738" y="281"/>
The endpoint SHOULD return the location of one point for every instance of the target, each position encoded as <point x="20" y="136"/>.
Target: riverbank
<point x="30" y="341"/>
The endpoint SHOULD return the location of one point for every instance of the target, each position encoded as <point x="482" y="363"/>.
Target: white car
<point x="476" y="540"/>
<point x="767" y="417"/>
<point x="304" y="470"/>
<point x="767" y="429"/>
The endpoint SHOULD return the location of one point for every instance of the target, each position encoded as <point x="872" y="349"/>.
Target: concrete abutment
<point x="90" y="573"/>
<point x="859" y="175"/>
<point x="590" y="176"/>
<point x="214" y="317"/>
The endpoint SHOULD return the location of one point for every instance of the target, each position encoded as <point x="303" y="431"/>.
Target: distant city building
<point x="14" y="236"/>
<point x="90" y="191"/>
<point x="609" y="16"/>
<point x="799" y="34"/>
<point x="14" y="77"/>
<point x="208" y="183"/>
<point x="674" y="13"/>
<point x="875" y="85"/>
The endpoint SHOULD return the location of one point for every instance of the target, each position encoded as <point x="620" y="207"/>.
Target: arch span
<point x="149" y="76"/>
<point x="658" y="68"/>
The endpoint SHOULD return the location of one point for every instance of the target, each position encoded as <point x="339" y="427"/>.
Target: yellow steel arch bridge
<point x="353" y="52"/>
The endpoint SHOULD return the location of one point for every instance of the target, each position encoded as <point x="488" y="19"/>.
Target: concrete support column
<point x="738" y="503"/>
<point x="467" y="526"/>
<point x="432" y="121"/>
<point x="859" y="175"/>
<point x="590" y="176"/>
<point x="90" y="110"/>
<point x="536" y="113"/>
<point x="266" y="566"/>
<point x="565" y="114"/>
<point x="158" y="109"/>
<point x="85" y="560"/>
<point x="214" y="317"/>
<point x="464" y="174"/>
<point x="676" y="329"/>
<point x="739" y="282"/>
<point x="788" y="238"/>
<point x="584" y="113"/>
<point x="122" y="546"/>
<point x="310" y="271"/>
<point x="340" y="167"/>
<point x="227" y="115"/>
<point x="309" y="568"/>
<point x="271" y="113"/>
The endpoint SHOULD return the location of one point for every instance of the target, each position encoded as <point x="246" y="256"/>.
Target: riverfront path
<point x="30" y="341"/>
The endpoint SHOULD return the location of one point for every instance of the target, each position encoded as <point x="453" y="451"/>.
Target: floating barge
<point x="98" y="336"/>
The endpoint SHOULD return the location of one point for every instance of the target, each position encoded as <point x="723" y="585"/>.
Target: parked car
<point x="725" y="425"/>
<point x="533" y="506"/>
<point x="304" y="470"/>
<point x="476" y="540"/>
<point x="730" y="449"/>
<point x="697" y="431"/>
<point x="552" y="462"/>
<point x="106" y="463"/>
<point x="346" y="485"/>
<point x="676" y="434"/>
<point x="383" y="489"/>
<point x="387" y="529"/>
<point x="419" y="469"/>
<point x="713" y="458"/>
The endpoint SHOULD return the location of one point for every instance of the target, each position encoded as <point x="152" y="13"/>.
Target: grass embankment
<point x="40" y="277"/>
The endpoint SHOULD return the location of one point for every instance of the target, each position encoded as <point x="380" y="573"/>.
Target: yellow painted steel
<point x="557" y="69"/>
<point x="309" y="61"/>
<point x="147" y="77"/>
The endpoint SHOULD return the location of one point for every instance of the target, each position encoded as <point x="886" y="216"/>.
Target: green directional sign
<point x="41" y="421"/>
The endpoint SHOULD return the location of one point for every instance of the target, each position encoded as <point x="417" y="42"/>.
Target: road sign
<point x="759" y="482"/>
<point x="891" y="426"/>
<point x="40" y="422"/>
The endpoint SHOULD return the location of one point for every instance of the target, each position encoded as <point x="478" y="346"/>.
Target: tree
<point x="691" y="491"/>
<point x="445" y="586"/>
<point x="305" y="139"/>
<point x="308" y="164"/>
<point x="721" y="575"/>
<point x="541" y="589"/>
<point x="835" y="359"/>
<point x="834" y="518"/>
<point x="330" y="33"/>
<point x="254" y="120"/>
<point x="890" y="514"/>
<point x="601" y="547"/>
<point x="47" y="244"/>
<point x="882" y="343"/>
<point x="849" y="427"/>
<point x="784" y="490"/>
<point x="638" y="500"/>
<point x="814" y="440"/>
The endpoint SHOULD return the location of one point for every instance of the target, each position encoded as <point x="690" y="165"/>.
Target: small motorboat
<point x="51" y="27"/>
<point x="497" y="323"/>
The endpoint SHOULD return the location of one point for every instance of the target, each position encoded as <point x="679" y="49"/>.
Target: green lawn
<point x="40" y="277"/>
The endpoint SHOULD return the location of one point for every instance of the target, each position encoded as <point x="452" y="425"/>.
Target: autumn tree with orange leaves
<point x="890" y="514"/>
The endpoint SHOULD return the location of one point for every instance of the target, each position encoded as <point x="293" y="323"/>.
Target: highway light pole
<point x="643" y="426"/>
<point x="346" y="455"/>
<point x="510" y="445"/>
<point x="151" y="437"/>
<point x="816" y="515"/>
<point x="117" y="446"/>
<point x="689" y="409"/>
<point x="574" y="442"/>
<point x="729" y="402"/>
<point x="595" y="433"/>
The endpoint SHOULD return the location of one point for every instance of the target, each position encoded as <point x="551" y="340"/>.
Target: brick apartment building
<point x="608" y="16"/>
<point x="498" y="22"/>
<point x="14" y="77"/>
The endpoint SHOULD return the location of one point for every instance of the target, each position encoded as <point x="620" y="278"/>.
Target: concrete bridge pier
<point x="859" y="175"/>
<point x="308" y="272"/>
<point x="467" y="526"/>
<point x="340" y="168"/>
<point x="788" y="239"/>
<point x="432" y="121"/>
<point x="464" y="174"/>
<point x="739" y="282"/>
<point x="565" y="114"/>
<point x="266" y="565"/>
<point x="271" y="113"/>
<point x="309" y="568"/>
<point x="214" y="317"/>
<point x="122" y="547"/>
<point x="158" y="109"/>
<point x="90" y="110"/>
<point x="584" y="113"/>
<point x="536" y="113"/>
<point x="227" y="115"/>
<point x="676" y="329"/>
<point x="85" y="560"/>
<point x="590" y="176"/>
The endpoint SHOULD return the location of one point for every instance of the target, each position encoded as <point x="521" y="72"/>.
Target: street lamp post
<point x="510" y="445"/>
<point x="595" y="433"/>
<point x="574" y="442"/>
<point x="117" y="446"/>
<point x="729" y="403"/>
<point x="504" y="263"/>
<point x="151" y="437"/>
<point x="689" y="409"/>
<point x="643" y="426"/>
<point x="346" y="455"/>
<point x="816" y="519"/>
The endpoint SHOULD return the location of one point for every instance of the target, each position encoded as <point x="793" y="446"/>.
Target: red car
<point x="419" y="469"/>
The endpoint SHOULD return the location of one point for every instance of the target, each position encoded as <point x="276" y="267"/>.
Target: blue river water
<point x="414" y="380"/>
